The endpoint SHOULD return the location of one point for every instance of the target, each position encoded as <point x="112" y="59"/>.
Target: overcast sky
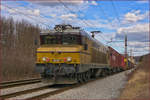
<point x="113" y="18"/>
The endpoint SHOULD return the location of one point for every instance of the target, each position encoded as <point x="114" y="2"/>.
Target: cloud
<point x="86" y="2"/>
<point x="61" y="9"/>
<point x="137" y="31"/>
<point x="134" y="16"/>
<point x="143" y="1"/>
<point x="12" y="10"/>
<point x="134" y="29"/>
<point x="138" y="44"/>
<point x="94" y="3"/>
<point x="134" y="32"/>
<point x="53" y="15"/>
<point x="58" y="2"/>
<point x="138" y="48"/>
<point x="69" y="16"/>
<point x="23" y="10"/>
<point x="35" y="12"/>
<point x="2" y="7"/>
<point x="91" y="23"/>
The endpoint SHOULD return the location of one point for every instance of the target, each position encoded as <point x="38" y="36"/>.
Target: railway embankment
<point x="138" y="85"/>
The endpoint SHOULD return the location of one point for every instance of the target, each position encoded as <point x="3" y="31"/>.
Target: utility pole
<point x="131" y="55"/>
<point x="130" y="52"/>
<point x="126" y="55"/>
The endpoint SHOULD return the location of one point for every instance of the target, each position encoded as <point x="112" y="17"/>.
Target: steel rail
<point x="15" y="81"/>
<point x="48" y="94"/>
<point x="10" y="95"/>
<point x="51" y="93"/>
<point x="18" y="83"/>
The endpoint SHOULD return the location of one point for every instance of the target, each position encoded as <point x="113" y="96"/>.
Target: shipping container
<point x="116" y="59"/>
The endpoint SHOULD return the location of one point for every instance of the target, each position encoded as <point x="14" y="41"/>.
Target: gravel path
<point x="107" y="88"/>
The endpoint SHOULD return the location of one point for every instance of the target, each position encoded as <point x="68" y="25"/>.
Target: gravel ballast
<point x="106" y="88"/>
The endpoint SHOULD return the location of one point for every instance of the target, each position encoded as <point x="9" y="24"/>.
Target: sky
<point x="114" y="18"/>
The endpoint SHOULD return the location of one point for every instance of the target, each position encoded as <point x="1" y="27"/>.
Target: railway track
<point x="48" y="94"/>
<point x="44" y="95"/>
<point x="10" y="84"/>
<point x="10" y="95"/>
<point x="41" y="96"/>
<point x="53" y="90"/>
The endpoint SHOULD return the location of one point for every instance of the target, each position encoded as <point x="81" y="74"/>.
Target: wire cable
<point x="116" y="12"/>
<point x="78" y="17"/>
<point x="26" y="15"/>
<point x="39" y="14"/>
<point x="106" y="17"/>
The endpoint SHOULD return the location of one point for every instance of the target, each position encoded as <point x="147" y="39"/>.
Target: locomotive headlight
<point x="69" y="59"/>
<point x="44" y="58"/>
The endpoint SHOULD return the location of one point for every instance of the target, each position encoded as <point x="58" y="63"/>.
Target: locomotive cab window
<point x="71" y="39"/>
<point x="60" y="39"/>
<point x="50" y="39"/>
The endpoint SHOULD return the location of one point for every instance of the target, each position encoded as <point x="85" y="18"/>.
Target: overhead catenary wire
<point x="116" y="12"/>
<point x="117" y="16"/>
<point x="73" y="12"/>
<point x="78" y="17"/>
<point x="83" y="20"/>
<point x="27" y="16"/>
<point x="105" y="14"/>
<point x="107" y="18"/>
<point x="45" y="19"/>
<point x="35" y="15"/>
<point x="42" y="16"/>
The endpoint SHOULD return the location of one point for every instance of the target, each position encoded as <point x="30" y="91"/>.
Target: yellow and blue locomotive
<point x="69" y="55"/>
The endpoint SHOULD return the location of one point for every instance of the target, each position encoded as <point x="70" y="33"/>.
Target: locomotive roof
<point x="71" y="30"/>
<point x="54" y="32"/>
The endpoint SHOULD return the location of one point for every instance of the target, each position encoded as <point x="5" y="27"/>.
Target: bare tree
<point x="18" y="48"/>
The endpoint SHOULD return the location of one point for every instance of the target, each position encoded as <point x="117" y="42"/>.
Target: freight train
<point x="69" y="55"/>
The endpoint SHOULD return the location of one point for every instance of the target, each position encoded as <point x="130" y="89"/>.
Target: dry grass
<point x="138" y="86"/>
<point x="18" y="68"/>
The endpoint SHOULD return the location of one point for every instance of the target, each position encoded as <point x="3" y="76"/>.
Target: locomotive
<point x="69" y="55"/>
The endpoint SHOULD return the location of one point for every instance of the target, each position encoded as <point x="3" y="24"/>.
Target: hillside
<point x="139" y="58"/>
<point x="138" y="86"/>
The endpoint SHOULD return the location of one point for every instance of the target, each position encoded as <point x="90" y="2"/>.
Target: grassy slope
<point x="138" y="86"/>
